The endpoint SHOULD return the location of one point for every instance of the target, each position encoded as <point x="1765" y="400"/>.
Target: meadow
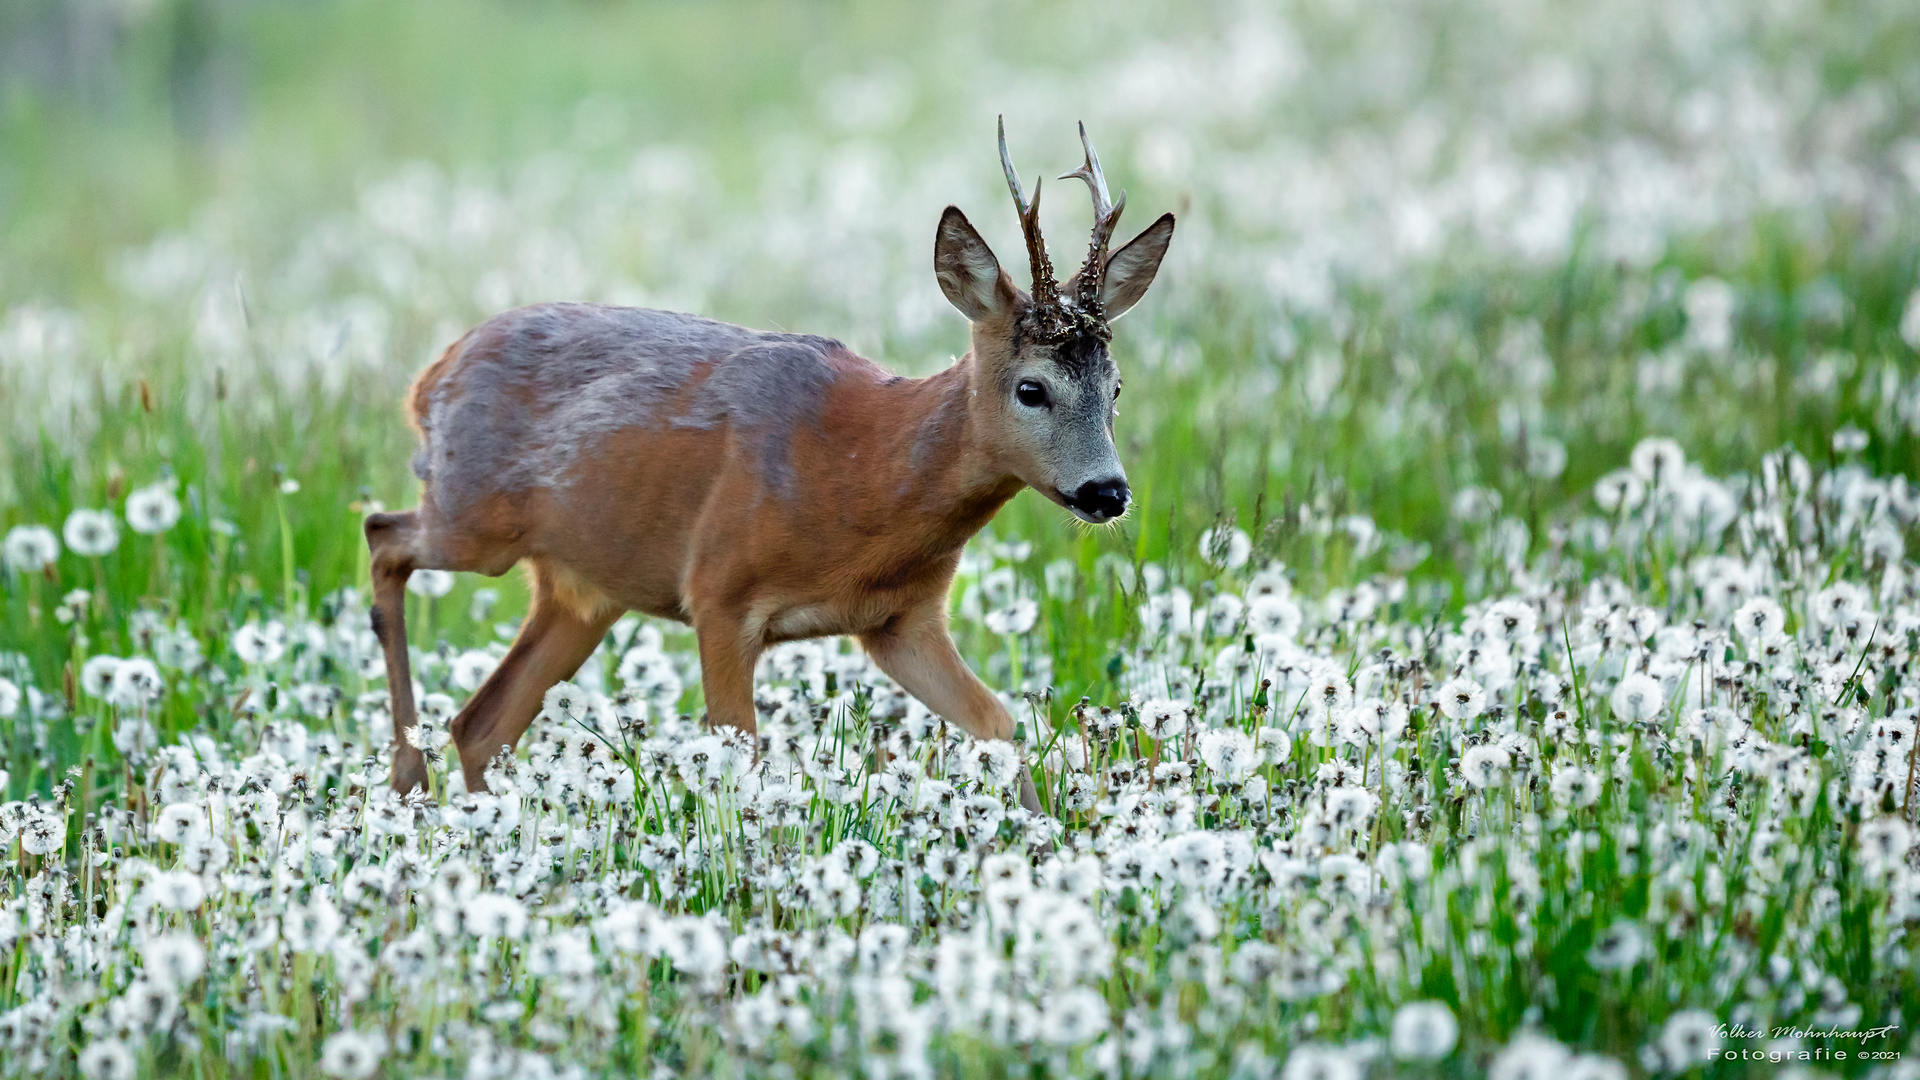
<point x="1507" y="667"/>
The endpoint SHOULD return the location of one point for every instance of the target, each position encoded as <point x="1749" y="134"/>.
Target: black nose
<point x="1103" y="500"/>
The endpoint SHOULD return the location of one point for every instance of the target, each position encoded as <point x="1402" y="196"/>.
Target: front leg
<point x="729" y="647"/>
<point x="917" y="652"/>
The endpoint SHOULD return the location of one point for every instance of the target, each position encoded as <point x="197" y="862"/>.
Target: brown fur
<point x="867" y="545"/>
<point x="669" y="507"/>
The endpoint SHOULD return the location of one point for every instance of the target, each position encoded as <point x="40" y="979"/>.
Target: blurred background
<point x="1440" y="262"/>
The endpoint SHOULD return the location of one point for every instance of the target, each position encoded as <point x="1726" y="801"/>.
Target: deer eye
<point x="1031" y="394"/>
<point x="1117" y="387"/>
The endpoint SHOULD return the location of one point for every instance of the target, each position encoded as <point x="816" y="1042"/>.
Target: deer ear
<point x="968" y="273"/>
<point x="1131" y="269"/>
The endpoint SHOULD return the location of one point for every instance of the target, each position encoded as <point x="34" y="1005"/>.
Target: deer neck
<point x="946" y="477"/>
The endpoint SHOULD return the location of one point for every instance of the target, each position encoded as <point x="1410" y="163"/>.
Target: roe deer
<point x="762" y="487"/>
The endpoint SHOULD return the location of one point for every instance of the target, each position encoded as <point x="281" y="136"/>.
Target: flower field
<point x="1508" y="667"/>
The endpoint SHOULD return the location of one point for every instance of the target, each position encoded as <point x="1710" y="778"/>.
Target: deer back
<point x="523" y="400"/>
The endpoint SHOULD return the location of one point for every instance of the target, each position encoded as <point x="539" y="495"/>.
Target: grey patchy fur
<point x="535" y="388"/>
<point x="940" y="432"/>
<point x="766" y="391"/>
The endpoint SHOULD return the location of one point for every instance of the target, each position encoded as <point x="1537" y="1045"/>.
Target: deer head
<point x="1045" y="383"/>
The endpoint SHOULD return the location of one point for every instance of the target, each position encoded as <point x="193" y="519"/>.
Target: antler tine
<point x="1092" y="174"/>
<point x="1045" y="289"/>
<point x="1013" y="175"/>
<point x="1106" y="215"/>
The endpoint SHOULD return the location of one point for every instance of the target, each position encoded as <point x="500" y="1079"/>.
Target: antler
<point x="1106" y="214"/>
<point x="1046" y="291"/>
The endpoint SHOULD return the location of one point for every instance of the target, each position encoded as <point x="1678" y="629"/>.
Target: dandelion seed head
<point x="1484" y="765"/>
<point x="351" y="1055"/>
<point x="260" y="643"/>
<point x="1688" y="1038"/>
<point x="1162" y="718"/>
<point x="1637" y="698"/>
<point x="29" y="549"/>
<point x="107" y="1059"/>
<point x="1461" y="699"/>
<point x="153" y="509"/>
<point x="1423" y="1031"/>
<point x="1226" y="547"/>
<point x="91" y="533"/>
<point x="431" y="584"/>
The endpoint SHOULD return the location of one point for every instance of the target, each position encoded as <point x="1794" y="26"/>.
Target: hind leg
<point x="561" y="631"/>
<point x="394" y="541"/>
<point x="401" y="544"/>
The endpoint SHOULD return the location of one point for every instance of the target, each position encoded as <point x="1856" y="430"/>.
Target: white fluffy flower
<point x="1329" y="694"/>
<point x="153" y="509"/>
<point x="96" y="675"/>
<point x="565" y="704"/>
<point x="107" y="1059"/>
<point x="91" y="532"/>
<point x="174" y="959"/>
<point x="1423" y="1031"/>
<point x="650" y="673"/>
<point x="1575" y="787"/>
<point x="1226" y="547"/>
<point x="1659" y="462"/>
<point x="431" y="584"/>
<point x="1884" y="842"/>
<point x="1461" y="699"/>
<point x="1620" y="491"/>
<point x="29" y="549"/>
<point x="351" y="1055"/>
<point x="176" y="890"/>
<point x="495" y="915"/>
<point x="471" y="668"/>
<point x="992" y="762"/>
<point x="1017" y="617"/>
<point x="694" y="944"/>
<point x="316" y="699"/>
<point x="1689" y="1038"/>
<point x="1483" y="765"/>
<point x="260" y="643"/>
<point x="1074" y="1016"/>
<point x="1229" y="753"/>
<point x="1276" y="746"/>
<point x="177" y="821"/>
<point x="1319" y="1061"/>
<point x="136" y="684"/>
<point x="1637" y="698"/>
<point x="1529" y="1057"/>
<point x="1162" y="718"/>
<point x="1167" y="614"/>
<point x="1618" y="947"/>
<point x="1760" y="622"/>
<point x="311" y="927"/>
<point x="1910" y="321"/>
<point x="1273" y="614"/>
